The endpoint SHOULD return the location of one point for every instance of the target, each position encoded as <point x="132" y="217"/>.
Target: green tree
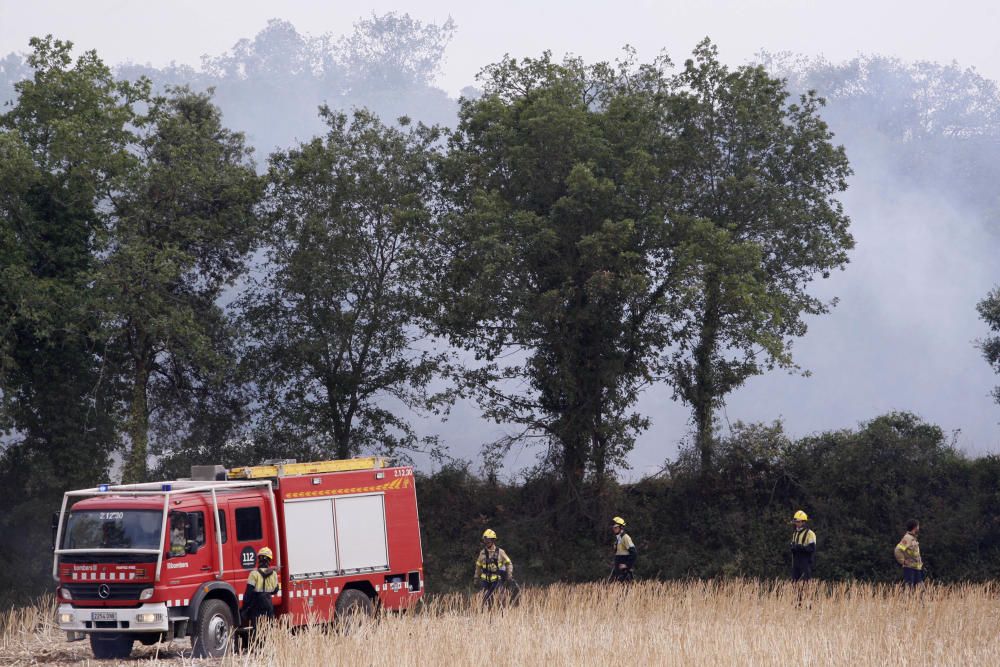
<point x="183" y="224"/>
<point x="989" y="312"/>
<point x="760" y="176"/>
<point x="333" y="337"/>
<point x="559" y="253"/>
<point x="64" y="146"/>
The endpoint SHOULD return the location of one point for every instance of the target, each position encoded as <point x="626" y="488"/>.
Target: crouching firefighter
<point x="493" y="567"/>
<point x="262" y="585"/>
<point x="625" y="552"/>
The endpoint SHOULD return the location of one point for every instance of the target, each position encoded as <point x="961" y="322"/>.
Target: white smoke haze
<point x="903" y="334"/>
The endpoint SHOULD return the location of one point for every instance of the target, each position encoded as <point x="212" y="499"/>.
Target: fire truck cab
<point x="158" y="561"/>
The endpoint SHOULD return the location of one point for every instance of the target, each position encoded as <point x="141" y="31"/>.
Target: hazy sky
<point x="902" y="338"/>
<point x="184" y="30"/>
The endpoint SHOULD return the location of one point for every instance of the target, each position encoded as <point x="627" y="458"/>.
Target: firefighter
<point x="178" y="534"/>
<point x="907" y="554"/>
<point x="625" y="552"/>
<point x="803" y="547"/>
<point x="262" y="584"/>
<point x="493" y="566"/>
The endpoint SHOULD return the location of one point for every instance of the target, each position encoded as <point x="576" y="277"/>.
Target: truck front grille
<point x="91" y="591"/>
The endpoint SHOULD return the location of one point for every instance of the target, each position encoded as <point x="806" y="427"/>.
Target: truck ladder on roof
<point x="311" y="468"/>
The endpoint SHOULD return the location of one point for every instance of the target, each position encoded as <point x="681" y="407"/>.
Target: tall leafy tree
<point x="183" y="224"/>
<point x="760" y="176"/>
<point x="559" y="252"/>
<point x="334" y="342"/>
<point x="989" y="311"/>
<point x="64" y="147"/>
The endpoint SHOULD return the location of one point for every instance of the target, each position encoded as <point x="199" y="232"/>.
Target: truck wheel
<point x="353" y="607"/>
<point x="212" y="630"/>
<point x="111" y="645"/>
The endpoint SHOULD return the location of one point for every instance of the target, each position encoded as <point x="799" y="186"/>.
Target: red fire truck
<point x="157" y="561"/>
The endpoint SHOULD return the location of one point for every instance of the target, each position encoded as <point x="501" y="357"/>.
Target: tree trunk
<point x="343" y="446"/>
<point x="341" y="438"/>
<point x="342" y="417"/>
<point x="703" y="418"/>
<point x="705" y="386"/>
<point x="574" y="464"/>
<point x="138" y="424"/>
<point x="600" y="453"/>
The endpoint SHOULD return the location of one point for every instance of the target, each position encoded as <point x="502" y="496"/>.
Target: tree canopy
<point x="332" y="325"/>
<point x="612" y="224"/>
<point x="760" y="176"/>
<point x="182" y="225"/>
<point x="559" y="250"/>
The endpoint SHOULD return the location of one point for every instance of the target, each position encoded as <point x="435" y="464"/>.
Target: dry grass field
<point x="731" y="623"/>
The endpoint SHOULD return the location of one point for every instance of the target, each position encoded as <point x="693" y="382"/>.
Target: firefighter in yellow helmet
<point x="803" y="547"/>
<point x="262" y="585"/>
<point x="625" y="552"/>
<point x="493" y="566"/>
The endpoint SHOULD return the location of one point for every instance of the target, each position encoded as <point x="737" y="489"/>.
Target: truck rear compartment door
<point x="342" y="536"/>
<point x="361" y="533"/>
<point x="311" y="540"/>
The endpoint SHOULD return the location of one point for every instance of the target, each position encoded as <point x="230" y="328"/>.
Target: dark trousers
<point x="802" y="571"/>
<point x="259" y="606"/>
<point x="912" y="576"/>
<point x="490" y="591"/>
<point x="490" y="586"/>
<point x="625" y="576"/>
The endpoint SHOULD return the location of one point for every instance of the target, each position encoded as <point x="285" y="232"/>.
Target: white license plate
<point x="104" y="616"/>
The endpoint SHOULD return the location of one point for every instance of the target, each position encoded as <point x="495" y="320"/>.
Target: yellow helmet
<point x="488" y="534"/>
<point x="800" y="516"/>
<point x="265" y="552"/>
<point x="618" y="521"/>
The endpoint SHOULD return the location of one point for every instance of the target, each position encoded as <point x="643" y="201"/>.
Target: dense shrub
<point x="858" y="486"/>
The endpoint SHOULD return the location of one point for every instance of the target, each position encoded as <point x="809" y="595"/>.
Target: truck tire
<point x="111" y="645"/>
<point x="353" y="607"/>
<point x="212" y="630"/>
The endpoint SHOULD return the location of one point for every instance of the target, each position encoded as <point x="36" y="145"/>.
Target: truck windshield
<point x="113" y="529"/>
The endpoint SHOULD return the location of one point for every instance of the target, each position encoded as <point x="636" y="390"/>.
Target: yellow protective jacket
<point x="625" y="551"/>
<point x="261" y="585"/>
<point x="493" y="565"/>
<point x="907" y="552"/>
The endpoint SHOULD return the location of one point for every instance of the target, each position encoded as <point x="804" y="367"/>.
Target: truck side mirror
<point x="55" y="528"/>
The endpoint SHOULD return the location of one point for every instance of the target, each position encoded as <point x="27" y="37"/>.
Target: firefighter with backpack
<point x="262" y="585"/>
<point x="494" y="569"/>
